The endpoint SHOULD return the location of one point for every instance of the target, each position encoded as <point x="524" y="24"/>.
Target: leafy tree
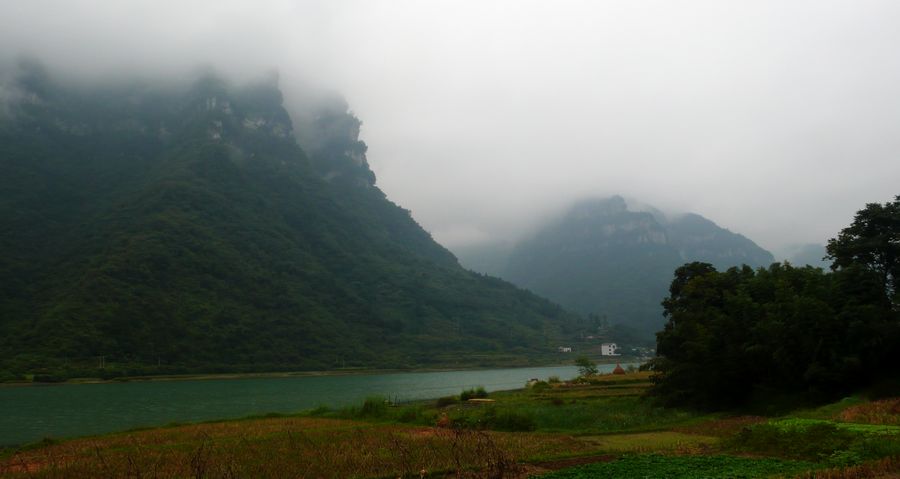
<point x="586" y="367"/>
<point x="784" y="331"/>
<point x="872" y="242"/>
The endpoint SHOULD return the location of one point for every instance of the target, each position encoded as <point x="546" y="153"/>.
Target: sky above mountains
<point x="777" y="120"/>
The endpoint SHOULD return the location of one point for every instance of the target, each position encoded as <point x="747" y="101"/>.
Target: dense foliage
<point x="782" y="330"/>
<point x="148" y="230"/>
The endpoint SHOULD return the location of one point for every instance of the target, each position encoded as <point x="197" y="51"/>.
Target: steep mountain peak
<point x="329" y="132"/>
<point x="176" y="229"/>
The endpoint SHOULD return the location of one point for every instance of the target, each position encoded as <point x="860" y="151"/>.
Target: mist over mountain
<point x="182" y="228"/>
<point x="605" y="257"/>
<point x="490" y="258"/>
<point x="811" y="254"/>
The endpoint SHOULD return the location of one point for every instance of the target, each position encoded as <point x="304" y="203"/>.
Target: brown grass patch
<point x="529" y="470"/>
<point x="288" y="447"/>
<point x="882" y="412"/>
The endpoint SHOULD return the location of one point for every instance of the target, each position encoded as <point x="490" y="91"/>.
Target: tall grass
<point x="883" y="412"/>
<point x="287" y="448"/>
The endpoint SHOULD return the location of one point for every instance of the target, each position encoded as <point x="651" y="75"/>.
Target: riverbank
<point x="67" y="410"/>
<point x="602" y="427"/>
<point x="289" y="374"/>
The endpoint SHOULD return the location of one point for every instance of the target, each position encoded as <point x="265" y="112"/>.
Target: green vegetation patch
<point x="837" y="444"/>
<point x="686" y="467"/>
<point x="596" y="415"/>
<point x="579" y="409"/>
<point x="795" y="424"/>
<point x="651" y="442"/>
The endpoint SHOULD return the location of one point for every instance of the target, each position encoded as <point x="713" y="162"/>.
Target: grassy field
<point x="688" y="467"/>
<point x="597" y="428"/>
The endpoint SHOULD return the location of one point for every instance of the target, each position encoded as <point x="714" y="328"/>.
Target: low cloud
<point x="774" y="119"/>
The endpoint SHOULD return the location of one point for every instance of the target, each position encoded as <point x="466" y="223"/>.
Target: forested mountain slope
<point x="184" y="229"/>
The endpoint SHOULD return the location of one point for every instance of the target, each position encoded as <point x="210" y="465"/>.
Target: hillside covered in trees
<point x="805" y="333"/>
<point x="172" y="229"/>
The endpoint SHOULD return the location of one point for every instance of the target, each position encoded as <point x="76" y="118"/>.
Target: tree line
<point x="743" y="335"/>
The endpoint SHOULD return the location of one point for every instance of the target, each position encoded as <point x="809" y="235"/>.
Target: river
<point x="30" y="413"/>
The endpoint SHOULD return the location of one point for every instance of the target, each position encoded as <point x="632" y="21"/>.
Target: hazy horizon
<point x="776" y="121"/>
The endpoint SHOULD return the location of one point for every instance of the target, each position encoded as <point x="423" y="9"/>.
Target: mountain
<point x="811" y="254"/>
<point x="699" y="239"/>
<point x="602" y="257"/>
<point x="491" y="258"/>
<point x="183" y="228"/>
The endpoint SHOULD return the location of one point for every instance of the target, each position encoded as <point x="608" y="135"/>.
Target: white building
<point x="609" y="349"/>
<point x="564" y="349"/>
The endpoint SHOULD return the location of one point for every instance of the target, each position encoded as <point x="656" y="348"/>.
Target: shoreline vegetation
<point x="593" y="426"/>
<point x="290" y="374"/>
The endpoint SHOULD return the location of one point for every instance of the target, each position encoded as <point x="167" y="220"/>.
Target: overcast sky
<point x="776" y="119"/>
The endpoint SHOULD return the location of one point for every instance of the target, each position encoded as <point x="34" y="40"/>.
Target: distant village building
<point x="564" y="349"/>
<point x="609" y="349"/>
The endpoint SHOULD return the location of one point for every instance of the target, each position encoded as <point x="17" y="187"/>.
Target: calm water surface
<point x="29" y="414"/>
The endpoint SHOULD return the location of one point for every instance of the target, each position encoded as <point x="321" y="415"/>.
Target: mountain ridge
<point x="185" y="230"/>
<point x="604" y="257"/>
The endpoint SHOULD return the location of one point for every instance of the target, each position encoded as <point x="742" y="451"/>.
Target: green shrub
<point x="512" y="421"/>
<point x="412" y="414"/>
<point x="109" y="373"/>
<point x="475" y="393"/>
<point x="372" y="407"/>
<point x="540" y="386"/>
<point x="9" y="377"/>
<point x="816" y="442"/>
<point x="586" y="367"/>
<point x="446" y="401"/>
<point x="47" y="378"/>
<point x="553" y="380"/>
<point x="495" y="419"/>
<point x="876" y="447"/>
<point x="319" y="411"/>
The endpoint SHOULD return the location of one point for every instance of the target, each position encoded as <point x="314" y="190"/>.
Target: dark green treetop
<point x="872" y="242"/>
<point x="742" y="334"/>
